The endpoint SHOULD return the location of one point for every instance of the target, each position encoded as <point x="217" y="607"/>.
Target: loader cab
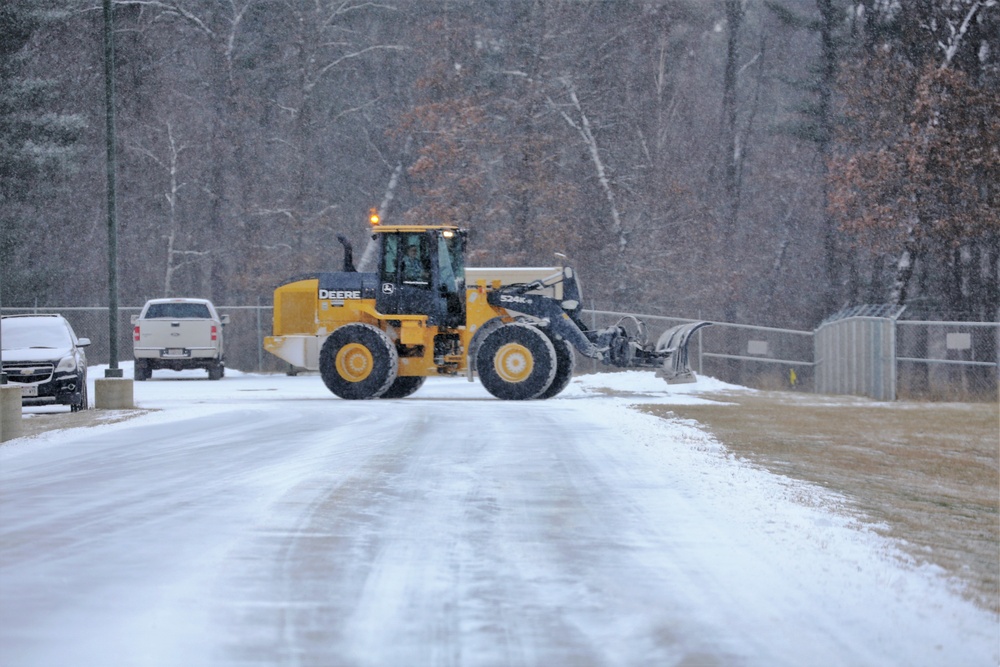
<point x="422" y="272"/>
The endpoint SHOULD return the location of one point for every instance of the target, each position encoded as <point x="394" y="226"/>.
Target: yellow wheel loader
<point x="422" y="313"/>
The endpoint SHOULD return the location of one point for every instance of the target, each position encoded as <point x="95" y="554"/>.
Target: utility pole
<point x="109" y="94"/>
<point x="113" y="391"/>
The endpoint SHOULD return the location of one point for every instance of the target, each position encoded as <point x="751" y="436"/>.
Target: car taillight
<point x="135" y="333"/>
<point x="215" y="332"/>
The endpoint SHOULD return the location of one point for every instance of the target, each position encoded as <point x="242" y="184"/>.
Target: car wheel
<point x="83" y="403"/>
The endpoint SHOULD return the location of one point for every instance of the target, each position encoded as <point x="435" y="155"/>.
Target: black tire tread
<point x="565" y="365"/>
<point x="542" y="350"/>
<point x="384" y="355"/>
<point x="403" y="386"/>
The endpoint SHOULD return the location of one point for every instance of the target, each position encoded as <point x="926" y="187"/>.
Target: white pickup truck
<point x="178" y="334"/>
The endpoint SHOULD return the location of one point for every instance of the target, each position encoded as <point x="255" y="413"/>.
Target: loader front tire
<point x="565" y="365"/>
<point x="403" y="386"/>
<point x="358" y="361"/>
<point x="516" y="362"/>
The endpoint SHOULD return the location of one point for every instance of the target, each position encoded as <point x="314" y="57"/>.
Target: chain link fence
<point x="747" y="355"/>
<point x="865" y="351"/>
<point x="947" y="360"/>
<point x="929" y="359"/>
<point x="872" y="351"/>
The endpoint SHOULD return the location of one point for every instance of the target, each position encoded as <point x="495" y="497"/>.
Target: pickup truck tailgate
<point x="180" y="338"/>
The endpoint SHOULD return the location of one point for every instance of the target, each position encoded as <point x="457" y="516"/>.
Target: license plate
<point x="175" y="352"/>
<point x="30" y="390"/>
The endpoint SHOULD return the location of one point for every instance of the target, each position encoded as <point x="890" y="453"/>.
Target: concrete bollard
<point x="10" y="412"/>
<point x="113" y="394"/>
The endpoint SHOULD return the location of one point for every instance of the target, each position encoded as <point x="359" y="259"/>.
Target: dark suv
<point x="43" y="356"/>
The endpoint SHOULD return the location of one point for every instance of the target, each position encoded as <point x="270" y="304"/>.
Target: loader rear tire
<point x="403" y="386"/>
<point x="358" y="361"/>
<point x="565" y="365"/>
<point x="516" y="362"/>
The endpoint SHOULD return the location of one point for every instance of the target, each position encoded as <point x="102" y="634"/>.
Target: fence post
<point x="593" y="326"/>
<point x="893" y="360"/>
<point x="701" y="348"/>
<point x="260" y="341"/>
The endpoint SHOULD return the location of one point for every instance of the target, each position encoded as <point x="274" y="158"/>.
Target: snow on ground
<point x="261" y="521"/>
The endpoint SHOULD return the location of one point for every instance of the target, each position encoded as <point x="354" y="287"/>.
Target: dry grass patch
<point x="928" y="472"/>
<point x="35" y="423"/>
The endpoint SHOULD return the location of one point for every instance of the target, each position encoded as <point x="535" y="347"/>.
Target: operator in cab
<point x="413" y="267"/>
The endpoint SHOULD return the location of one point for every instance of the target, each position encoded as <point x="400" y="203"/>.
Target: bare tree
<point x="917" y="186"/>
<point x="176" y="257"/>
<point x="576" y="117"/>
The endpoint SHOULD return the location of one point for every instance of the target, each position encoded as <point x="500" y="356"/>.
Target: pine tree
<point x="815" y="119"/>
<point x="37" y="144"/>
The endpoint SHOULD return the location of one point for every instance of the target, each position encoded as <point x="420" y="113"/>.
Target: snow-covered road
<point x="261" y="521"/>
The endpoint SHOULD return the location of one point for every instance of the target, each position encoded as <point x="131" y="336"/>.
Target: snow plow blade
<point x="674" y="343"/>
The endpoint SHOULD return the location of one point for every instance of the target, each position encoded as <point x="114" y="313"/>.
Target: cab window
<point x="390" y="255"/>
<point x="414" y="262"/>
<point x="450" y="260"/>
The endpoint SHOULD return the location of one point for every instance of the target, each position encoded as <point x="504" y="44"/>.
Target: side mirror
<point x="83" y="342"/>
<point x="134" y="318"/>
<point x="224" y="319"/>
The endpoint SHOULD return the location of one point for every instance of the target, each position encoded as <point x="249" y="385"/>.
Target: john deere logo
<point x="338" y="295"/>
<point x="388" y="288"/>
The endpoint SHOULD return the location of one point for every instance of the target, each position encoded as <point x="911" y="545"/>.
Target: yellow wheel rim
<point x="354" y="362"/>
<point x="513" y="362"/>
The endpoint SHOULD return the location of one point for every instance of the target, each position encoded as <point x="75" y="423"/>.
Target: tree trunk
<point x="905" y="266"/>
<point x="828" y="79"/>
<point x="367" y="261"/>
<point x="617" y="230"/>
<point x="730" y="138"/>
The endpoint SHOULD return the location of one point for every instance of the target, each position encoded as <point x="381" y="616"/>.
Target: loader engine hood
<point x="340" y="285"/>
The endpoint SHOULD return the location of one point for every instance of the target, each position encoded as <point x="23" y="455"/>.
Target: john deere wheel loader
<point x="423" y="313"/>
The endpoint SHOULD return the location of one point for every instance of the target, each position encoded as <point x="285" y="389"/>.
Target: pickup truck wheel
<point x="565" y="364"/>
<point x="216" y="371"/>
<point x="358" y="361"/>
<point x="403" y="387"/>
<point x="516" y="362"/>
<point x="142" y="370"/>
